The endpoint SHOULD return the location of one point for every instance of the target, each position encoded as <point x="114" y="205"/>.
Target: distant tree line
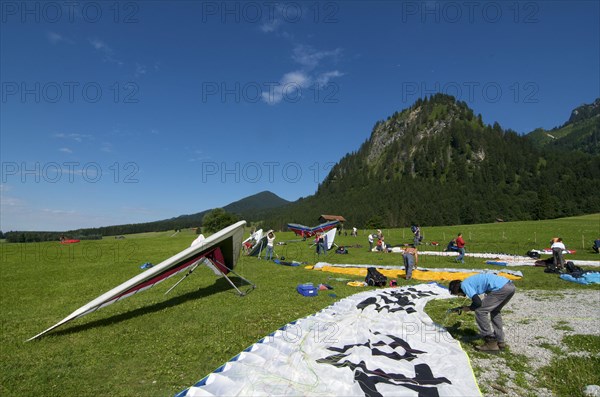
<point x="37" y="237"/>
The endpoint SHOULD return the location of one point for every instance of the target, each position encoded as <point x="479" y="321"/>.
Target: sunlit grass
<point x="153" y="344"/>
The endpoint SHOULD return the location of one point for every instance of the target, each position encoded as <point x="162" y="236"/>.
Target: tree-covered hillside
<point x="246" y="208"/>
<point x="437" y="163"/>
<point x="581" y="132"/>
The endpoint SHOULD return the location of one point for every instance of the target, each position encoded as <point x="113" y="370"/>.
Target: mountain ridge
<point x="436" y="162"/>
<point x="581" y="132"/>
<point x="244" y="207"/>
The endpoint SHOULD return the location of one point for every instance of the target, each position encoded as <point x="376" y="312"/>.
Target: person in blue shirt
<point x="596" y="246"/>
<point x="498" y="292"/>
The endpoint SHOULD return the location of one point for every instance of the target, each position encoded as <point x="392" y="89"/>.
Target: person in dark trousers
<point x="498" y="292"/>
<point x="460" y="245"/>
<point x="411" y="258"/>
<point x="417" y="232"/>
<point x="557" y="248"/>
<point x="320" y="240"/>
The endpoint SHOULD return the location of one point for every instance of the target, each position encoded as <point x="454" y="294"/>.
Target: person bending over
<point x="411" y="258"/>
<point x="498" y="292"/>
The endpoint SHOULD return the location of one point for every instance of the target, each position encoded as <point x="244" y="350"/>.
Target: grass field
<point x="156" y="345"/>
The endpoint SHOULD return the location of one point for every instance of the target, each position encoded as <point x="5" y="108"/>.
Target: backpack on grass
<point x="375" y="278"/>
<point x="571" y="268"/>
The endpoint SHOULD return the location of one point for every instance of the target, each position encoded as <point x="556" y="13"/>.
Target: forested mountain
<point x="437" y="163"/>
<point x="246" y="208"/>
<point x="581" y="132"/>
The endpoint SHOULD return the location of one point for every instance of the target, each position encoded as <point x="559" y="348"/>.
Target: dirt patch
<point x="535" y="323"/>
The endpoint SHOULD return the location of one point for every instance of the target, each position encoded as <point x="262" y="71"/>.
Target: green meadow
<point x="152" y="344"/>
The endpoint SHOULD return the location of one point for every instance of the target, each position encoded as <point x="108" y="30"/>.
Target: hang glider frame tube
<point x="221" y="249"/>
<point x="216" y="268"/>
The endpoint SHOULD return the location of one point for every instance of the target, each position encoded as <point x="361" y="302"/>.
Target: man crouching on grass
<point x="498" y="291"/>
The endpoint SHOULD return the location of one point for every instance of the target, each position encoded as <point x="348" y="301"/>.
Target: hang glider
<point x="255" y="243"/>
<point x="374" y="343"/>
<point x="305" y="231"/>
<point x="220" y="252"/>
<point x="329" y="238"/>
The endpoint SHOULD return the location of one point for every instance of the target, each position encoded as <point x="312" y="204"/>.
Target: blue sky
<point x="125" y="112"/>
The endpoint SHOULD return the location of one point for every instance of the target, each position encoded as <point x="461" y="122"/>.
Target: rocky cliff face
<point x="585" y="111"/>
<point x="404" y="132"/>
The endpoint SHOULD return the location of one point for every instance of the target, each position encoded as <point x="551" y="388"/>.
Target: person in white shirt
<point x="557" y="252"/>
<point x="270" y="243"/>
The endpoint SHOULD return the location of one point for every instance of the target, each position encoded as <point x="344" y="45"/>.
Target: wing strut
<point x="194" y="267"/>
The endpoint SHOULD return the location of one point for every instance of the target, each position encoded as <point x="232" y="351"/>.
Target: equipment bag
<point x="571" y="268"/>
<point x="375" y="278"/>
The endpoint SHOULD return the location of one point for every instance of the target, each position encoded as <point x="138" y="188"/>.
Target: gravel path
<point x="533" y="318"/>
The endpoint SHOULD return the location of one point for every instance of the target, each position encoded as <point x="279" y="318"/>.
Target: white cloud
<point x="55" y="38"/>
<point x="65" y="150"/>
<point x="139" y="70"/>
<point x="106" y="147"/>
<point x="273" y="19"/>
<point x="290" y="87"/>
<point x="323" y="78"/>
<point x="292" y="84"/>
<point x="75" y="137"/>
<point x="198" y="155"/>
<point x="311" y="58"/>
<point x="271" y="25"/>
<point x="58" y="211"/>
<point x="106" y="50"/>
<point x="101" y="45"/>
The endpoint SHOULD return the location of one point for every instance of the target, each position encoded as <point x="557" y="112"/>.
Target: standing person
<point x="320" y="240"/>
<point x="498" y="291"/>
<point x="370" y="242"/>
<point x="270" y="244"/>
<point x="460" y="245"/>
<point x="380" y="240"/>
<point x="411" y="258"/>
<point x="354" y="231"/>
<point x="557" y="248"/>
<point x="417" y="232"/>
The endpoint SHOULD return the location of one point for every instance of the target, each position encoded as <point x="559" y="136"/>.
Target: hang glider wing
<point x="256" y="236"/>
<point x="306" y="231"/>
<point x="220" y="251"/>
<point x="374" y="343"/>
<point x="330" y="237"/>
<point x="300" y="230"/>
<point x="255" y="243"/>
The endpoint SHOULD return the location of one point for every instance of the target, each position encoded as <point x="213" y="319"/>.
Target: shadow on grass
<point x="460" y="332"/>
<point x="220" y="285"/>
